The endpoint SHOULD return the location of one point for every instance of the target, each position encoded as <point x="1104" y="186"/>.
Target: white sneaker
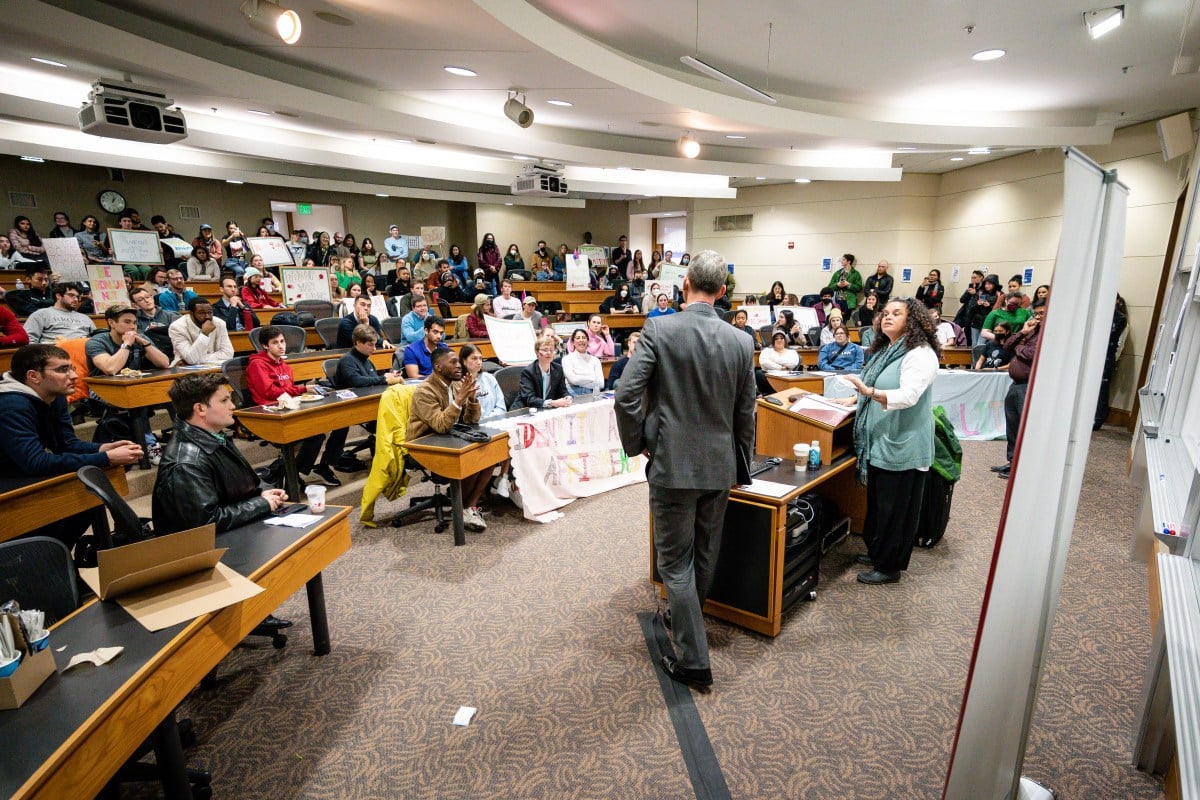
<point x="502" y="486"/>
<point x="154" y="452"/>
<point x="472" y="520"/>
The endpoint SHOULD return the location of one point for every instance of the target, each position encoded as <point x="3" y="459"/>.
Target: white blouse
<point x="771" y="359"/>
<point x="583" y="370"/>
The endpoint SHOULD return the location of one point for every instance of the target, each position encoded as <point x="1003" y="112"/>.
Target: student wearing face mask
<point x="513" y="262"/>
<point x="1011" y="313"/>
<point x="619" y="302"/>
<point x="424" y="266"/>
<point x="489" y="261"/>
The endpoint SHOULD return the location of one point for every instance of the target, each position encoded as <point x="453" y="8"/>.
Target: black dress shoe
<point x="1000" y="468"/>
<point x="875" y="577"/>
<point x="863" y="558"/>
<point x="1003" y="473"/>
<point x="700" y="678"/>
<point x="273" y="623"/>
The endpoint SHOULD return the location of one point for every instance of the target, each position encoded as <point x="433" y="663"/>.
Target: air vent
<point x="734" y="222"/>
<point x="22" y="200"/>
<point x="189" y="212"/>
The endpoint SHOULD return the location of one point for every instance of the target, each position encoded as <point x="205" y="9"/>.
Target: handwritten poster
<point x="954" y="273"/>
<point x="757" y="316"/>
<point x="108" y="285"/>
<point x="512" y="338"/>
<point x="598" y="255"/>
<point x="179" y="247"/>
<point x="135" y="247"/>
<point x="274" y="251"/>
<point x="433" y="235"/>
<point x="576" y="273"/>
<point x="805" y="317"/>
<point x="305" y="284"/>
<point x="66" y="259"/>
<point x="672" y="274"/>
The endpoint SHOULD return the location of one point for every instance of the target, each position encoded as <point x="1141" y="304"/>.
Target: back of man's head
<point x="189" y="390"/>
<point x="706" y="272"/>
<point x="34" y="358"/>
<point x="364" y="334"/>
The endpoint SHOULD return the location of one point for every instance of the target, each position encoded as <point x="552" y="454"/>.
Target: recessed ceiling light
<point x="905" y="149"/>
<point x="48" y="62"/>
<point x="957" y="158"/>
<point x="803" y="180"/>
<point x="256" y="111"/>
<point x="760" y="179"/>
<point x="734" y="136"/>
<point x="508" y="204"/>
<point x="989" y="55"/>
<point x="34" y="159"/>
<point x="231" y="180"/>
<point x="562" y="103"/>
<point x="462" y="72"/>
<point x="380" y="194"/>
<point x="522" y="158"/>
<point x="978" y="151"/>
<point x="405" y="141"/>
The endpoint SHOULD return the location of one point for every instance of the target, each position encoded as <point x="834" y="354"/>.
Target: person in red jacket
<point x="267" y="377"/>
<point x="11" y="332"/>
<point x="253" y="293"/>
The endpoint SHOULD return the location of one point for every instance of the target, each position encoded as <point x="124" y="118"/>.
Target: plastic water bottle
<point x="814" y="456"/>
<point x="20" y="283"/>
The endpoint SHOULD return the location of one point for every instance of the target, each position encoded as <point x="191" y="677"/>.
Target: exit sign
<point x="304" y="208"/>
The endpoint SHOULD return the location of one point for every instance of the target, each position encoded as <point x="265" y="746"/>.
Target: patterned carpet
<point x="536" y="626"/>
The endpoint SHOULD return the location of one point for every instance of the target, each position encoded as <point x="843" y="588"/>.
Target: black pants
<point x="306" y="459"/>
<point x="893" y="516"/>
<point x="760" y="380"/>
<point x="1102" y="401"/>
<point x="1014" y="405"/>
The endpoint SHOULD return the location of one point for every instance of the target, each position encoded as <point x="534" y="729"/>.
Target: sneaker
<point x="502" y="486"/>
<point x="154" y="453"/>
<point x="473" y="520"/>
<point x="323" y="474"/>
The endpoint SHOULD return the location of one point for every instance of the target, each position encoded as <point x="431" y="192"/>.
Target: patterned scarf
<point x="862" y="428"/>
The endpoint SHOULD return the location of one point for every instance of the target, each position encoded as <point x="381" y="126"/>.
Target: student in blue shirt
<point x="418" y="356"/>
<point x="177" y="296"/>
<point x="840" y="355"/>
<point x="413" y="325"/>
<point x="662" y="307"/>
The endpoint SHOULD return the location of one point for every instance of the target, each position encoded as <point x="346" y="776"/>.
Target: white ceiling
<point x="855" y="81"/>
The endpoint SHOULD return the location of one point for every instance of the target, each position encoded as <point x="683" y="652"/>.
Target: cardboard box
<point x="20" y="686"/>
<point x="168" y="579"/>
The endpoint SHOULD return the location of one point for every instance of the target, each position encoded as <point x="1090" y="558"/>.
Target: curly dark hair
<point x="918" y="330"/>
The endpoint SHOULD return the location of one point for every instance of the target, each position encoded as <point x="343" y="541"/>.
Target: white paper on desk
<point x="464" y="715"/>
<point x="346" y="394"/>
<point x="815" y="402"/>
<point x="294" y="520"/>
<point x="101" y="655"/>
<point x="767" y="488"/>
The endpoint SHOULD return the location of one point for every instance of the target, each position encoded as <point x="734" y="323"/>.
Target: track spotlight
<point x="688" y="146"/>
<point x="1104" y="20"/>
<point x="517" y="111"/>
<point x="272" y="19"/>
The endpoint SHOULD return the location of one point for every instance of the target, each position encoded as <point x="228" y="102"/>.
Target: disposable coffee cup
<point x="316" y="498"/>
<point x="800" y="454"/>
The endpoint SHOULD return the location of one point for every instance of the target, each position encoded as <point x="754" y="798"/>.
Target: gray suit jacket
<point x="687" y="396"/>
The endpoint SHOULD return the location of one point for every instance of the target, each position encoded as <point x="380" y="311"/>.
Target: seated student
<point x="619" y="302"/>
<point x="253" y="293"/>
<point x="412" y="326"/>
<point x="449" y="291"/>
<point x="355" y="370"/>
<point x="832" y="323"/>
<point x="230" y="309"/>
<point x="994" y="355"/>
<point x="600" y="341"/>
<point x="662" y="306"/>
<point x="62" y="320"/>
<point x="543" y="384"/>
<point x="1009" y="312"/>
<point x="530" y="314"/>
<point x="618" y="368"/>
<point x="948" y="333"/>
<point x="582" y="370"/>
<point x="404" y="305"/>
<point x="740" y="319"/>
<point x="448" y="396"/>
<point x="268" y="376"/>
<point x="122" y="346"/>
<point x="491" y="396"/>
<point x="361" y="316"/>
<point x="476" y="326"/>
<point x="785" y="322"/>
<point x="399" y="280"/>
<point x="149" y="316"/>
<point x="36" y="295"/>
<point x="37" y="439"/>
<point x="417" y="360"/>
<point x="11" y="332"/>
<point x="650" y="298"/>
<point x="779" y="357"/>
<point x="199" y="337"/>
<point x="201" y="265"/>
<point x="840" y="355"/>
<point x="827" y="305"/>
<point x="504" y="304"/>
<point x="177" y="296"/>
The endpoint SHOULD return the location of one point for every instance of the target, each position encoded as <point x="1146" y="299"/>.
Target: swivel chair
<point x="327" y="329"/>
<point x="295" y="336"/>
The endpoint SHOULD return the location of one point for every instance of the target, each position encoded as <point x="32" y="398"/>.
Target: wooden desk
<point x="453" y="458"/>
<point x="40" y="502"/>
<point x="79" y="728"/>
<point x="797" y="380"/>
<point x="586" y="300"/>
<point x="956" y="356"/>
<point x="777" y="430"/>
<point x="748" y="586"/>
<point x="635" y="321"/>
<point x="6" y="355"/>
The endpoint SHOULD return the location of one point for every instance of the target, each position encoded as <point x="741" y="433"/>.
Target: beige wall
<point x="606" y="219"/>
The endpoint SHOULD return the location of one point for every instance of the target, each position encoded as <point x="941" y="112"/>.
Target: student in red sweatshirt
<point x="268" y="376"/>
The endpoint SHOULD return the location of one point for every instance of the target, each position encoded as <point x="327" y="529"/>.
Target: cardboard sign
<point x="135" y="247"/>
<point x="433" y="235"/>
<point x="512" y="339"/>
<point x="66" y="259"/>
<point x="108" y="286"/>
<point x="305" y="284"/>
<point x="274" y="251"/>
<point x="672" y="274"/>
<point x="598" y="255"/>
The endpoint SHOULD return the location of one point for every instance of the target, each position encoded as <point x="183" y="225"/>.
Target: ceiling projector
<point x="121" y="110"/>
<point x="541" y="179"/>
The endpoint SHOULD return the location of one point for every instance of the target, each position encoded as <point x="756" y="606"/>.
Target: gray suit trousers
<point x="687" y="541"/>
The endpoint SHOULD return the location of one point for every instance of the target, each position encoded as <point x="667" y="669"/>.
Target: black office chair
<point x="320" y="309"/>
<point x="509" y="379"/>
<point x="437" y="502"/>
<point x="295" y="336"/>
<point x="443" y="309"/>
<point x="127" y="526"/>
<point x="327" y="329"/>
<point x="764" y="335"/>
<point x="349" y="450"/>
<point x="393" y="329"/>
<point x="813" y="335"/>
<point x="234" y="370"/>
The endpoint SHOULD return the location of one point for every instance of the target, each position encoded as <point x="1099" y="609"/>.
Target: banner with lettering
<point x="108" y="286"/>
<point x="560" y="454"/>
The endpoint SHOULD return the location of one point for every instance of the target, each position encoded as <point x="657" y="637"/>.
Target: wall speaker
<point x="1175" y="136"/>
<point x="115" y="174"/>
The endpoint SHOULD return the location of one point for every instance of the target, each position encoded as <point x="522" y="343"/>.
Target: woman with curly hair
<point x="893" y="433"/>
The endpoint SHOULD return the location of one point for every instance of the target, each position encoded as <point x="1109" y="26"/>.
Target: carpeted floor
<point x="536" y="626"/>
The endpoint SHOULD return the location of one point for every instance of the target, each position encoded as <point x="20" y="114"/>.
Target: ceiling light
<point x="713" y="72"/>
<point x="34" y="159"/>
<point x="979" y="151"/>
<point x="48" y="62"/>
<point x="256" y="111"/>
<point x="522" y="158"/>
<point x="1105" y="20"/>
<point x="380" y="194"/>
<point x="508" y="204"/>
<point x="517" y="111"/>
<point x="462" y="72"/>
<point x="688" y="146"/>
<point x="803" y="180"/>
<point x="404" y="141"/>
<point x="562" y="103"/>
<point x="734" y="136"/>
<point x="760" y="179"/>
<point x="231" y="180"/>
<point x="957" y="158"/>
<point x="905" y="149"/>
<point x="988" y="55"/>
<point x="273" y="19"/>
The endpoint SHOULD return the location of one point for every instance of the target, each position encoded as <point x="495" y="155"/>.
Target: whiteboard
<point x="274" y="251"/>
<point x="512" y="339"/>
<point x="66" y="259"/>
<point x="108" y="285"/>
<point x="135" y="247"/>
<point x="305" y="284"/>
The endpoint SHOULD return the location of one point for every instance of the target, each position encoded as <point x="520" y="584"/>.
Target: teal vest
<point x="901" y="439"/>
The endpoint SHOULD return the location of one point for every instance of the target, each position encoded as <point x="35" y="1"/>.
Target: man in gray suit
<point x="686" y="400"/>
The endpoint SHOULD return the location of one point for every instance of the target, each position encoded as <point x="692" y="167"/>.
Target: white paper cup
<point x="316" y="498"/>
<point x="800" y="454"/>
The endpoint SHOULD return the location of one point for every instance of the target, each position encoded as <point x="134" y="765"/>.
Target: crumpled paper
<point x="101" y="655"/>
<point x="288" y="402"/>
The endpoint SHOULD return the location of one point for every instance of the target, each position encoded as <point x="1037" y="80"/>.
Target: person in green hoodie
<point x="846" y="283"/>
<point x="893" y="435"/>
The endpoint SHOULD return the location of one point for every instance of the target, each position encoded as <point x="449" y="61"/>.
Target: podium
<point x="777" y="430"/>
